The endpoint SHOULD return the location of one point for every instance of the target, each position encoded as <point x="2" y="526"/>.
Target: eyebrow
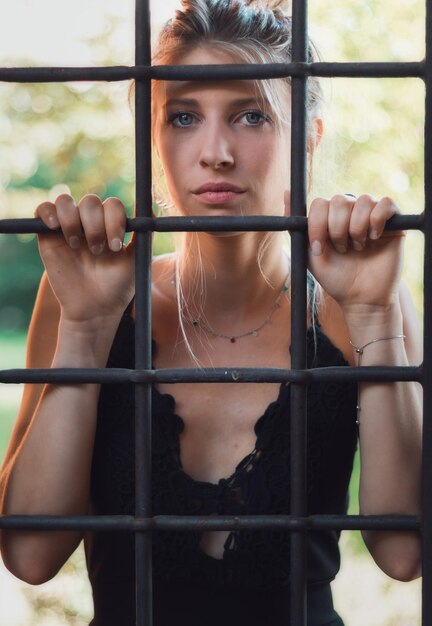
<point x="190" y="102"/>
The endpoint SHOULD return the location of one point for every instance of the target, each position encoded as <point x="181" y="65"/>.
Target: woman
<point x="222" y="299"/>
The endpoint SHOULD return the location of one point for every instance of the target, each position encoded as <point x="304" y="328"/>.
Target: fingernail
<point x="316" y="248"/>
<point x="373" y="233"/>
<point x="97" y="249"/>
<point x="53" y="221"/>
<point x="116" y="244"/>
<point x="357" y="245"/>
<point x="339" y="248"/>
<point x="74" y="242"/>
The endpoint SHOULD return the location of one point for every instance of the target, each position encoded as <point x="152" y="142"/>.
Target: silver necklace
<point x="197" y="322"/>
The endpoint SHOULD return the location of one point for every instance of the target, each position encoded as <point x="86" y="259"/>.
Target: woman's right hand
<point x="90" y="270"/>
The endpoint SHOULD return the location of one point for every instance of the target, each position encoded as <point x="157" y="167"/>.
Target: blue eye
<point x="181" y="119"/>
<point x="254" y="118"/>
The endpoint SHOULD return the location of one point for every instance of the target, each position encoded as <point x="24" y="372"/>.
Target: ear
<point x="316" y="132"/>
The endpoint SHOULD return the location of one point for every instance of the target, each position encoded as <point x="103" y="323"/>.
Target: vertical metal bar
<point x="143" y="333"/>
<point x="298" y="566"/>
<point x="427" y="339"/>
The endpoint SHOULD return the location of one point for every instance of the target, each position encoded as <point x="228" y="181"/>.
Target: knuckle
<point x="90" y="200"/>
<point x="94" y="233"/>
<point x="317" y="219"/>
<point x="338" y="235"/>
<point x="317" y="231"/>
<point x="376" y="219"/>
<point x="357" y="231"/>
<point x="319" y="200"/>
<point x="44" y="208"/>
<point x="365" y="198"/>
<point x="387" y="201"/>
<point x="339" y="200"/>
<point x="114" y="201"/>
<point x="316" y="226"/>
<point x="362" y="209"/>
<point x="317" y="205"/>
<point x="63" y="198"/>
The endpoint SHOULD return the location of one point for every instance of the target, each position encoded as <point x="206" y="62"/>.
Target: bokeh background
<point x="78" y="138"/>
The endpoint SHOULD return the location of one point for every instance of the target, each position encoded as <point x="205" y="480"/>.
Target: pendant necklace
<point x="198" y="322"/>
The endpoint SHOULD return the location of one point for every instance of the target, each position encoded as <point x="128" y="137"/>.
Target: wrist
<point x="380" y="333"/>
<point x="84" y="344"/>
<point x="365" y="320"/>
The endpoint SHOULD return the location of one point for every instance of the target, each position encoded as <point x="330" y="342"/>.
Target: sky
<point x="51" y="31"/>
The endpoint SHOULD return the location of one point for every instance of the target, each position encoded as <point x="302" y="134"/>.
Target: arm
<point x="362" y="275"/>
<point x="390" y="440"/>
<point x="47" y="467"/>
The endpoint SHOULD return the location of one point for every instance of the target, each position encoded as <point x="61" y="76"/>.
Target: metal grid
<point x="143" y="376"/>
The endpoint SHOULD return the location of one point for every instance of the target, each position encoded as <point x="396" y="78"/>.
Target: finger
<point x="48" y="214"/>
<point x="360" y="220"/>
<point x="318" y="225"/>
<point x="93" y="222"/>
<point x="115" y="223"/>
<point x="382" y="212"/>
<point x="340" y="208"/>
<point x="68" y="216"/>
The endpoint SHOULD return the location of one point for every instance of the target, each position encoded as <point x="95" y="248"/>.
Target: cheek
<point x="272" y="163"/>
<point x="175" y="155"/>
<point x="167" y="156"/>
<point x="272" y="175"/>
<point x="174" y="168"/>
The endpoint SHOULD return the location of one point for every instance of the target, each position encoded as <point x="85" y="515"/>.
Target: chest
<point x="219" y="418"/>
<point x="219" y="425"/>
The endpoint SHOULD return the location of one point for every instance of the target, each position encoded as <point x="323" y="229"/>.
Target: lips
<point x="218" y="193"/>
<point x="218" y="187"/>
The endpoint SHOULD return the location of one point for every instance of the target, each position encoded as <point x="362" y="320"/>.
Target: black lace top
<point x="253" y="575"/>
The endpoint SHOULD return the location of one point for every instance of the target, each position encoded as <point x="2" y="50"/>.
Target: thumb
<point x="287" y="203"/>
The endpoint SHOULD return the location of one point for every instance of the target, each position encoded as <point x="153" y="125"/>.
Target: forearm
<point x="390" y="436"/>
<point x="50" y="472"/>
<point x="390" y="420"/>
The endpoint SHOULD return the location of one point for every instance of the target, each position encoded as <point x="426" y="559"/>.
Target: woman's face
<point x="220" y="145"/>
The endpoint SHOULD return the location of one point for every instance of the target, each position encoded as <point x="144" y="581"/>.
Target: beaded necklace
<point x="198" y="322"/>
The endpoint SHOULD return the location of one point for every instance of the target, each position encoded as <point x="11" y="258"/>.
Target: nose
<point x="217" y="148"/>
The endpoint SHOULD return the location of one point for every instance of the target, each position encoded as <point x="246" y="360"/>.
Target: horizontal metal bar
<point x="414" y="69"/>
<point x="213" y="522"/>
<point x="74" y="376"/>
<point x="253" y="223"/>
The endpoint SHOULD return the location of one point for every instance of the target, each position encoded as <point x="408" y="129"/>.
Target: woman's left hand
<point x="350" y="254"/>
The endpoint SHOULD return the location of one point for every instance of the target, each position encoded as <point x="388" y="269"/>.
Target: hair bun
<point x="281" y="5"/>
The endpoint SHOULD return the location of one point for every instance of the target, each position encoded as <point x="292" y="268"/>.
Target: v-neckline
<point x="258" y="429"/>
<point x="224" y="481"/>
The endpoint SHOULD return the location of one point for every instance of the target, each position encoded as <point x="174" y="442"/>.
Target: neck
<point x="232" y="278"/>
